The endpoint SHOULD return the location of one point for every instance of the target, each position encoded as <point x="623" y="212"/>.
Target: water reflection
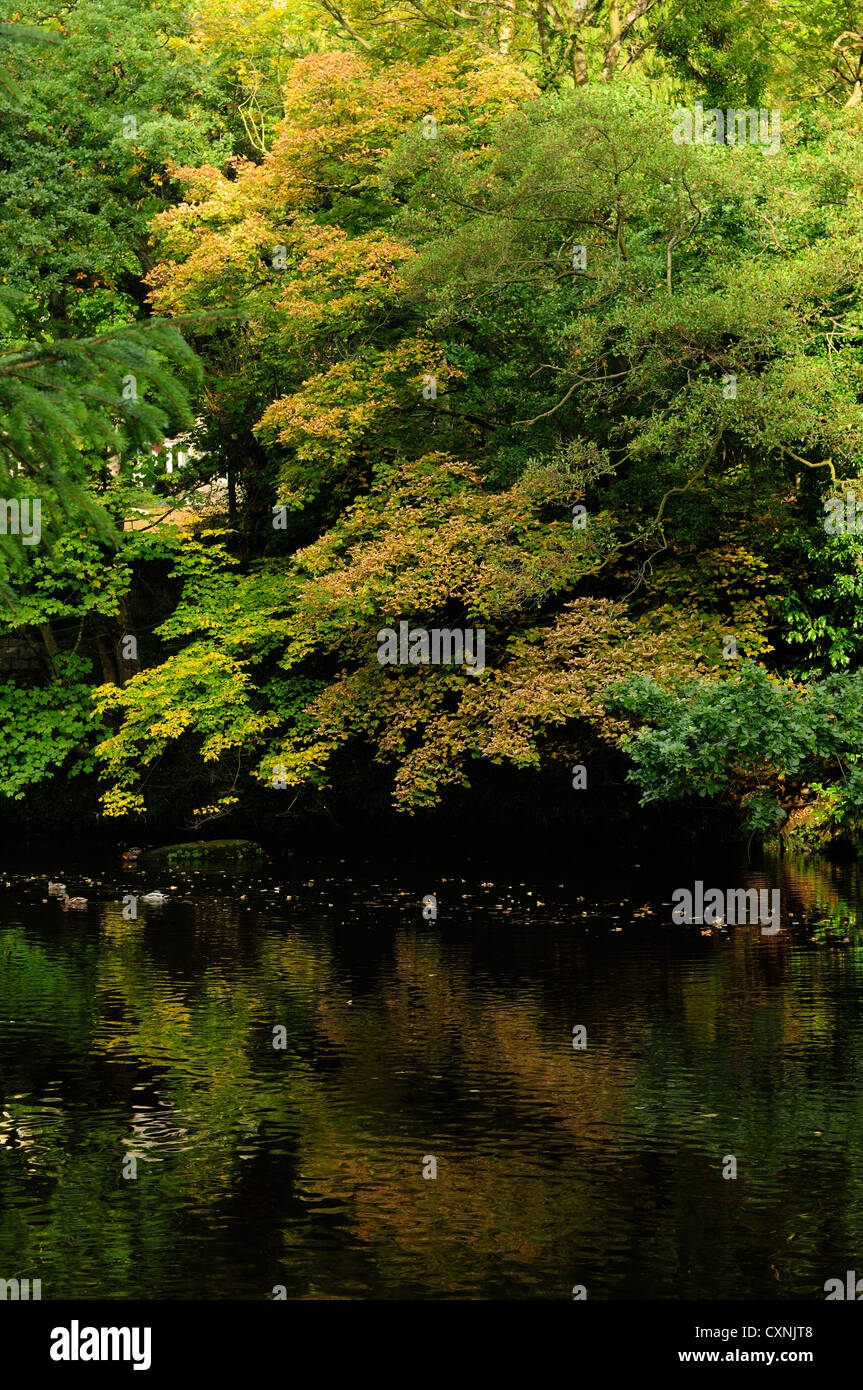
<point x="399" y="1039"/>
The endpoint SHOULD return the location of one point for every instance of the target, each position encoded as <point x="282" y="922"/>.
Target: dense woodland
<point x="318" y="318"/>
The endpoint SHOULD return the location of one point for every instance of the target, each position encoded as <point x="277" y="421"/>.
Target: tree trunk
<point x="128" y="665"/>
<point x="507" y="28"/>
<point x="579" y="61"/>
<point x="50" y="644"/>
<point x="542" y="28"/>
<point x="232" y="492"/>
<point x="615" y="40"/>
<point x="109" y="671"/>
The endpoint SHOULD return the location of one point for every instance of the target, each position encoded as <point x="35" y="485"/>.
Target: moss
<point x="204" y="854"/>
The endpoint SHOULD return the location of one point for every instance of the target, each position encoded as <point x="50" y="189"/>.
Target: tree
<point x="67" y="405"/>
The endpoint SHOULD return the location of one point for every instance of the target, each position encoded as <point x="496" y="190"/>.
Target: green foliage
<point x="66" y="402"/>
<point x="276" y="175"/>
<point x="110" y="96"/>
<point x="722" y="53"/>
<point x="47" y="728"/>
<point x="747" y="735"/>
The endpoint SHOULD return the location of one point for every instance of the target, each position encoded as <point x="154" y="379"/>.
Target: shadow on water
<point x="242" y="1090"/>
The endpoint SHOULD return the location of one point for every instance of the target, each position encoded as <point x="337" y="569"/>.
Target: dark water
<point x="301" y="1167"/>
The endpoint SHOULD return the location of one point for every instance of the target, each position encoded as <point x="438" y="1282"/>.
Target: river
<point x="293" y="1085"/>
